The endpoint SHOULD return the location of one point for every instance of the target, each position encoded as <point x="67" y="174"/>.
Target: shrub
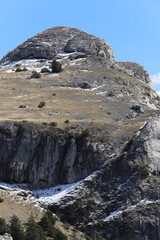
<point x="21" y="69"/>
<point x="136" y="108"/>
<point x="41" y="104"/>
<point x="1" y="200"/>
<point x="22" y="106"/>
<point x="127" y="225"/>
<point x="67" y="122"/>
<point x="143" y="170"/>
<point x="85" y="85"/>
<point x="53" y="94"/>
<point x="53" y="124"/>
<point x="35" y="74"/>
<point x="45" y="123"/>
<point x="85" y="133"/>
<point x="45" y="70"/>
<point x="56" y="67"/>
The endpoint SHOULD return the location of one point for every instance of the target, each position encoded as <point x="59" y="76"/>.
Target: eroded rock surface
<point x="59" y="40"/>
<point x="121" y="200"/>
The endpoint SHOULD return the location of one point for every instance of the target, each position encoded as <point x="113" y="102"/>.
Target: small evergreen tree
<point x="3" y="226"/>
<point x="47" y="223"/>
<point x="58" y="235"/>
<point x="16" y="229"/>
<point x="34" y="231"/>
<point x="56" y="67"/>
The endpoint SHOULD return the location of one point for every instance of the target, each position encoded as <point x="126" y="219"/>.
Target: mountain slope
<point x="98" y="115"/>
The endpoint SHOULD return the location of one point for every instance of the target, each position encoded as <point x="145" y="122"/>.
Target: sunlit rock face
<point x="54" y="41"/>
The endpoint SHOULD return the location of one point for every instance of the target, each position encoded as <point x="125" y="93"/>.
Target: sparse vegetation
<point x="136" y="108"/>
<point x="67" y="122"/>
<point x="127" y="225"/>
<point x="41" y="104"/>
<point x="22" y="106"/>
<point x="35" y="74"/>
<point x="21" y="69"/>
<point x="85" y="133"/>
<point x="56" y="67"/>
<point x="33" y="230"/>
<point x="53" y="124"/>
<point x="45" y="70"/>
<point x="85" y="85"/>
<point x="143" y="170"/>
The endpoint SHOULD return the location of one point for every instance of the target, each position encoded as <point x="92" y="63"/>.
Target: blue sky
<point x="132" y="27"/>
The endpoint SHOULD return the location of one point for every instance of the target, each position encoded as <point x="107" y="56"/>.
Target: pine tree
<point x="16" y="229"/>
<point x="3" y="226"/>
<point x="47" y="223"/>
<point x="56" y="67"/>
<point x="34" y="231"/>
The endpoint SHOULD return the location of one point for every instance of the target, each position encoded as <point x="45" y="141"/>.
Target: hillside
<point x="95" y="137"/>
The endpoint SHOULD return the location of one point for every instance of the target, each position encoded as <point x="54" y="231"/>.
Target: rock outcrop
<point x="59" y="40"/>
<point x="6" y="236"/>
<point x="44" y="157"/>
<point x="136" y="70"/>
<point x="124" y="193"/>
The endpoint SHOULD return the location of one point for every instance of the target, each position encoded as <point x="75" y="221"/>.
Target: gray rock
<point x="6" y="236"/>
<point x="54" y="41"/>
<point x="50" y="157"/>
<point x="136" y="70"/>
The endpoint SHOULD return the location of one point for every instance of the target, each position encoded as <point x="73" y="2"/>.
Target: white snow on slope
<point x="116" y="213"/>
<point x="54" y="194"/>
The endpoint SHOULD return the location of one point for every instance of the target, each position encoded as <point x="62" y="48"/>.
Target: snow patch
<point x="54" y="194"/>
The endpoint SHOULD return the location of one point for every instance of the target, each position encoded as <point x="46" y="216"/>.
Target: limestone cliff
<point x="43" y="157"/>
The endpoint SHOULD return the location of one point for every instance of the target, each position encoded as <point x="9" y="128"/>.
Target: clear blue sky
<point x="132" y="27"/>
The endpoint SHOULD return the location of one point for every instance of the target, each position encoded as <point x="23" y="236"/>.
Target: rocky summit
<point x="79" y="134"/>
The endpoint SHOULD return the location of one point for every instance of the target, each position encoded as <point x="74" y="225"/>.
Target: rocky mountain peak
<point x="59" y="40"/>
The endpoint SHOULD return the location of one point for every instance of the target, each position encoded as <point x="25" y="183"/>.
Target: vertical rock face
<point x="48" y="44"/>
<point x="136" y="70"/>
<point x="34" y="156"/>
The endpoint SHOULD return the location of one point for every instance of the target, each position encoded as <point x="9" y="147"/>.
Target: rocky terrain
<point x="93" y="147"/>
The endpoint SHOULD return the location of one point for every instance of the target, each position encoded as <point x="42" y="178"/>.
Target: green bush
<point x="136" y="108"/>
<point x="67" y="122"/>
<point x="53" y="124"/>
<point x="56" y="67"/>
<point x="1" y="200"/>
<point x="41" y="104"/>
<point x="21" y="69"/>
<point x="35" y="74"/>
<point x="45" y="70"/>
<point x="85" y="133"/>
<point x="143" y="170"/>
<point x="85" y="85"/>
